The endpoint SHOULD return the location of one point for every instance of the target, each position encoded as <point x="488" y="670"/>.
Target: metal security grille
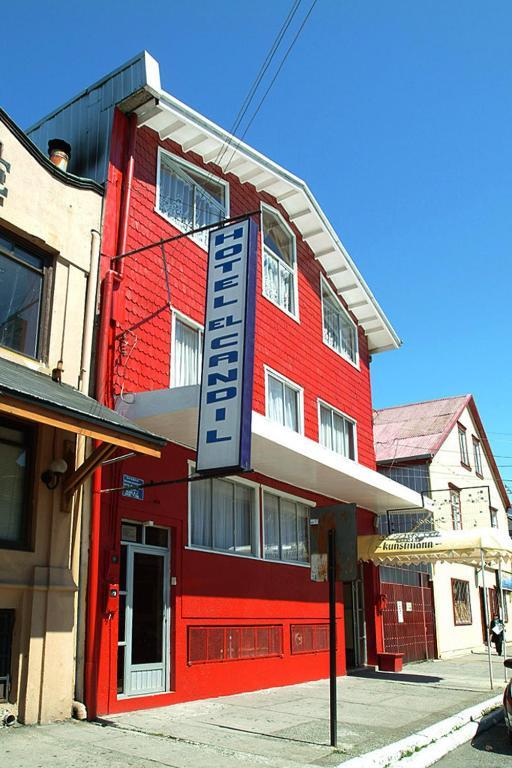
<point x="309" y="638"/>
<point x="6" y="626"/>
<point x="409" y="622"/>
<point x="207" y="644"/>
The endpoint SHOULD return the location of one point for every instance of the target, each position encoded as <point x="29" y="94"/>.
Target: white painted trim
<point x="201" y="172"/>
<point x="354" y="363"/>
<point x="343" y="415"/>
<point x="292" y="385"/>
<point x="294" y="315"/>
<point x="175" y="313"/>
<point x="286" y="495"/>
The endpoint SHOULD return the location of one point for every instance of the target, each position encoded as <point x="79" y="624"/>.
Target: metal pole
<point x="502" y="617"/>
<point x="486" y="619"/>
<point x="331" y="567"/>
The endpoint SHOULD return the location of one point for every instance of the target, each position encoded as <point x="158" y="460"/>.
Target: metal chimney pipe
<point x="59" y="152"/>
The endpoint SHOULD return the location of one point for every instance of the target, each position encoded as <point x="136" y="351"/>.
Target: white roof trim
<point x="174" y="120"/>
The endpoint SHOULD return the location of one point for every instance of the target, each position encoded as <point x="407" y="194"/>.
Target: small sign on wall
<point x="400" y="611"/>
<point x="408" y="607"/>
<point x="132" y="487"/>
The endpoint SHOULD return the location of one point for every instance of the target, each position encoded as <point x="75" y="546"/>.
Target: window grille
<point x="209" y="644"/>
<point x="309" y="638"/>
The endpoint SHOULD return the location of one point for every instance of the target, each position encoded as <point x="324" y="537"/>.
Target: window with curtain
<point x="337" y="432"/>
<point x="279" y="261"/>
<point x="186" y="355"/>
<point x="283" y="403"/>
<point x="14" y="444"/>
<point x="463" y="445"/>
<point x="339" y="332"/>
<point x="285" y="529"/>
<point x="223" y="517"/>
<point x="21" y="297"/>
<point x="477" y="453"/>
<point x="456" y="509"/>
<point x="188" y="197"/>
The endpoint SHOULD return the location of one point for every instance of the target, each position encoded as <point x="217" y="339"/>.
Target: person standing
<point x="497" y="633"/>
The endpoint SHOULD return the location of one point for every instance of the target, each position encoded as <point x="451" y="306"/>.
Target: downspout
<point x="103" y="396"/>
<point x="79" y="561"/>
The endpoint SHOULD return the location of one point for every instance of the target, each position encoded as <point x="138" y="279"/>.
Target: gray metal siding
<point x="86" y="120"/>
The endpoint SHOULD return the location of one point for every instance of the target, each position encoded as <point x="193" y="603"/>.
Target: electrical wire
<point x="256" y="82"/>
<point x="290" y="47"/>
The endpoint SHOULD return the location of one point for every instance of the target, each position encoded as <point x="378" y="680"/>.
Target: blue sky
<point x="398" y="115"/>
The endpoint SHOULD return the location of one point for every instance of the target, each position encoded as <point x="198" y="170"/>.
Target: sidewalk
<point x="280" y="727"/>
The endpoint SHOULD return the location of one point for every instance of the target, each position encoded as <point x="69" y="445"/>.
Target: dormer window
<point x="279" y="262"/>
<point x="189" y="197"/>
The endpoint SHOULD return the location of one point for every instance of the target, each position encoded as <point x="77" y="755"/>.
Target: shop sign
<point x="400" y="611"/>
<point x="225" y="410"/>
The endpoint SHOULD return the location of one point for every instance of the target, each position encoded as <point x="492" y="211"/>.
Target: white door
<point x="143" y="659"/>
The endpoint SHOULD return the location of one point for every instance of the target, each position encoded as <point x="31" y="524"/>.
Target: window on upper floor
<point x="15" y="453"/>
<point x="337" y="432"/>
<point x="284" y="401"/>
<point x="477" y="454"/>
<point x="339" y="332"/>
<point x="186" y="355"/>
<point x="456" y="509"/>
<point x="224" y="516"/>
<point x="285" y="529"/>
<point x="494" y="517"/>
<point x="24" y="279"/>
<point x="189" y="197"/>
<point x="463" y="446"/>
<point x="416" y="477"/>
<point x="279" y="261"/>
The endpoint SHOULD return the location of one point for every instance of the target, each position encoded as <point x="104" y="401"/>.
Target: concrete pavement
<point x="281" y="727"/>
<point x="491" y="749"/>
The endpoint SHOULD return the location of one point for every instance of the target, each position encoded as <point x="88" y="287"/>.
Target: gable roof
<point x="418" y="430"/>
<point x="86" y="122"/>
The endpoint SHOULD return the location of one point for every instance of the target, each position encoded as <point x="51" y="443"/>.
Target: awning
<point x="464" y="547"/>
<point x="34" y="396"/>
<point x="278" y="453"/>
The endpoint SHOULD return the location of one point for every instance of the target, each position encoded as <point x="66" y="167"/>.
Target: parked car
<point x="507" y="701"/>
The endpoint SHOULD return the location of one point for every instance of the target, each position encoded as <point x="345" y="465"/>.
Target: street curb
<point x="422" y="749"/>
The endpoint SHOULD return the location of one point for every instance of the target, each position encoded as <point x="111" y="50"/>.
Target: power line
<point x="290" y="47"/>
<point x="259" y="77"/>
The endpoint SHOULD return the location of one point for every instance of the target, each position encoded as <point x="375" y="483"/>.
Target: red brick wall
<point x="292" y="348"/>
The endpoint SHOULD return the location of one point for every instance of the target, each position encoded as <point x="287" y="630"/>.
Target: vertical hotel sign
<point x="224" y="436"/>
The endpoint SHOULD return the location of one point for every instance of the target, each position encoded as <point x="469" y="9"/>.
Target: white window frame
<point x="200" y="172"/>
<point x="257" y="522"/>
<point x="323" y="404"/>
<point x="294" y="315"/>
<point x="300" y="400"/>
<point x="267" y="489"/>
<point x="354" y="363"/>
<point x="463" y="445"/>
<point x="177" y="315"/>
<point x="477" y="456"/>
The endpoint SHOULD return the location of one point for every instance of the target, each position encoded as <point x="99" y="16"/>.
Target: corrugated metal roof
<point x="32" y="386"/>
<point x="418" y="429"/>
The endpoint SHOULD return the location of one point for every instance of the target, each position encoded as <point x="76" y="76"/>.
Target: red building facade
<point x="203" y="588"/>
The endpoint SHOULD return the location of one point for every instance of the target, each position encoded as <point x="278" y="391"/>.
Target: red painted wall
<point x="213" y="588"/>
<point x="294" y="349"/>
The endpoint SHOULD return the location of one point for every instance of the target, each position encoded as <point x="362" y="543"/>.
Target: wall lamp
<point x="51" y="476"/>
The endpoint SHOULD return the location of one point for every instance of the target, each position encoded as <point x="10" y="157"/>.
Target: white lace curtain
<point x="283" y="404"/>
<point x="187" y="355"/>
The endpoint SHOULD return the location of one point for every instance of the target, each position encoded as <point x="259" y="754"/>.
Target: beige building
<point x="439" y="447"/>
<point x="50" y="225"/>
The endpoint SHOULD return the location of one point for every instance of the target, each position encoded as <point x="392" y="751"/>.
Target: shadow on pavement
<point x="496" y="740"/>
<point x="399" y="677"/>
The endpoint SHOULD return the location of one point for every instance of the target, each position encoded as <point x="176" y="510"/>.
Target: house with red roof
<point x="440" y="448"/>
